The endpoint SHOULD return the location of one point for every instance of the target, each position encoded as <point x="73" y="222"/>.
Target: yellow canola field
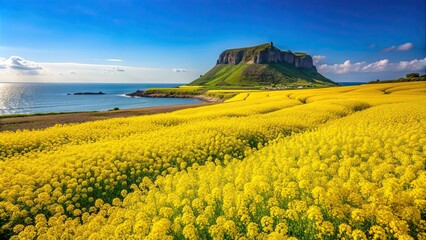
<point x="343" y="162"/>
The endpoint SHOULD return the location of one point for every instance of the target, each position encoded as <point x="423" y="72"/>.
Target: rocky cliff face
<point x="265" y="53"/>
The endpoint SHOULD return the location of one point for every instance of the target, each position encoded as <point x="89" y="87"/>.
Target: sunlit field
<point x="331" y="163"/>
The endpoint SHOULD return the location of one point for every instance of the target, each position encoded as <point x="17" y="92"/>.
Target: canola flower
<point x="345" y="162"/>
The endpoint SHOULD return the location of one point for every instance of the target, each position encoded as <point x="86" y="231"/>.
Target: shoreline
<point x="200" y="97"/>
<point x="34" y="122"/>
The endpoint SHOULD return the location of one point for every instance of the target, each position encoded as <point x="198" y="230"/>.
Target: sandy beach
<point x="43" y="121"/>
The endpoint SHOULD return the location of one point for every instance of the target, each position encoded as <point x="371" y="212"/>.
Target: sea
<point x="30" y="98"/>
<point x="351" y="83"/>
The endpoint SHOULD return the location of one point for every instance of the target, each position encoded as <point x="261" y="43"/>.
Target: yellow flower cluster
<point x="346" y="162"/>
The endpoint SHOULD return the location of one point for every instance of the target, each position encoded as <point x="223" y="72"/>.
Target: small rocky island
<point x="87" y="93"/>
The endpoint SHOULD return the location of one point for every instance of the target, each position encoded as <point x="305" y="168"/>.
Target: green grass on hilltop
<point x="300" y="54"/>
<point x="261" y="75"/>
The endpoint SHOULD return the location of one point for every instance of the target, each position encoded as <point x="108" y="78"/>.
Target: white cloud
<point x="402" y="47"/>
<point x="318" y="58"/>
<point x="379" y="66"/>
<point x="19" y="66"/>
<point x="114" y="69"/>
<point x="113" y="60"/>
<point x="16" y="69"/>
<point x="405" y="47"/>
<point x="388" y="49"/>
<point x="413" y="65"/>
<point x="180" y="70"/>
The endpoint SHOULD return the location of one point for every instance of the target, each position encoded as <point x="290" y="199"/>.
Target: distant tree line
<point x="409" y="77"/>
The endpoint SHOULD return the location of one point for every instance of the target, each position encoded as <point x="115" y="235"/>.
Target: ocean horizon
<point x="32" y="98"/>
<point x="351" y="83"/>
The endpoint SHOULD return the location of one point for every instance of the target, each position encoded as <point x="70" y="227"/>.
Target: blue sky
<point x="175" y="41"/>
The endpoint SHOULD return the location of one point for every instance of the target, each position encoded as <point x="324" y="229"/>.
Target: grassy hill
<point x="263" y="65"/>
<point x="244" y="74"/>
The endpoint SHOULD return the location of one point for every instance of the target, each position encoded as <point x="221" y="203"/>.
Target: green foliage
<point x="412" y="75"/>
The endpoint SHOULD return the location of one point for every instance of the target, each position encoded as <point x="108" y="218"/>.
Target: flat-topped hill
<point x="263" y="65"/>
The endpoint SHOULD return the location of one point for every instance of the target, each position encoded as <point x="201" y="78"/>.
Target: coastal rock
<point x="138" y="93"/>
<point x="201" y="97"/>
